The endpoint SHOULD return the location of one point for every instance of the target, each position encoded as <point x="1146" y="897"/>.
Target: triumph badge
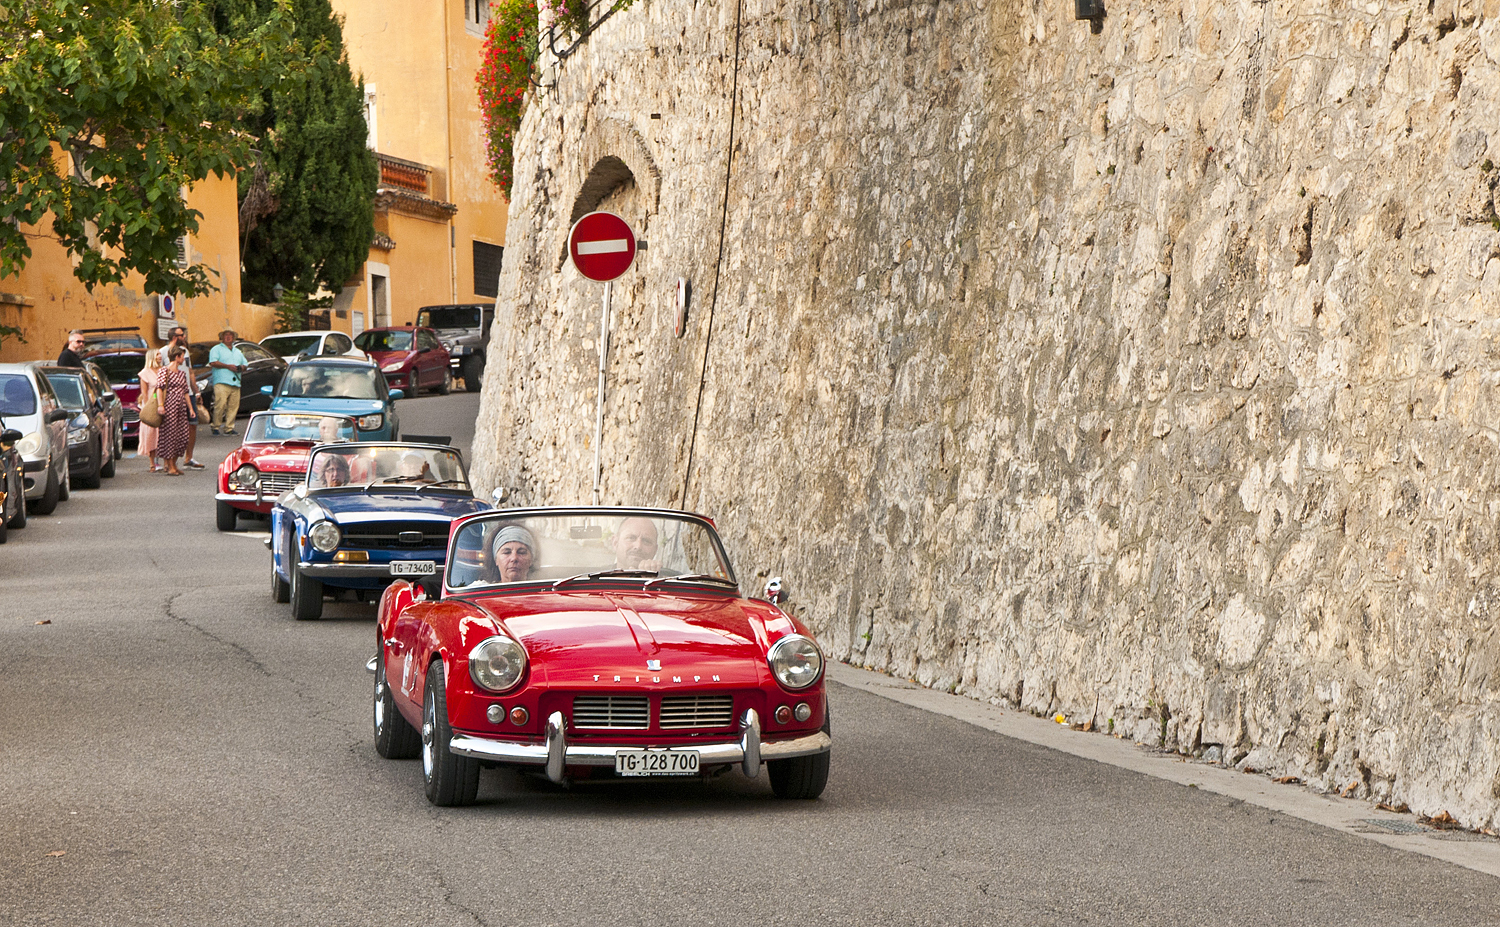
<point x="653" y="664"/>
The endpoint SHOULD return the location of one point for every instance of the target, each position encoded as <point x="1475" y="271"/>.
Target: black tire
<point x="447" y="386"/>
<point x="4" y="529"/>
<point x="450" y="779"/>
<point x="226" y="515"/>
<point x="119" y="446"/>
<point x="65" y="485"/>
<point x="107" y="469"/>
<point x="280" y="591"/>
<point x="18" y="521"/>
<point x="306" y="595"/>
<point x="395" y="738"/>
<point x="47" y="504"/>
<point x="801" y="777"/>
<point x="91" y="479"/>
<point x="472" y="370"/>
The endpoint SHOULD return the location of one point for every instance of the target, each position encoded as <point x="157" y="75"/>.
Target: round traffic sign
<point x="602" y="246"/>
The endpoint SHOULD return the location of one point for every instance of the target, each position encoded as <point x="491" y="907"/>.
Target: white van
<point x="29" y="405"/>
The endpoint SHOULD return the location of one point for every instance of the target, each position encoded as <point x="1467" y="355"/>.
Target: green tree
<point x="307" y="208"/>
<point x="109" y="109"/>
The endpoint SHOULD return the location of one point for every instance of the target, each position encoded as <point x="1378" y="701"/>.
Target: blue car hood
<point x="380" y="505"/>
<point x="350" y="407"/>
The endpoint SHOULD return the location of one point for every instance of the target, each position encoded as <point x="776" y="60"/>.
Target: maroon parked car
<point x="122" y="368"/>
<point x="412" y="359"/>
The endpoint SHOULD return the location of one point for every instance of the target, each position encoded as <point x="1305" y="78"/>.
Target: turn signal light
<point x="351" y="556"/>
<point x="783" y="714"/>
<point x="496" y="713"/>
<point x="518" y="716"/>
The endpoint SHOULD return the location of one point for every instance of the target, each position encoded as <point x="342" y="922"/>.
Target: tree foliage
<point x="109" y="110"/>
<point x="307" y="206"/>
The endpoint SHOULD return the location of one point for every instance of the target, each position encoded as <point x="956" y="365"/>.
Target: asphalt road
<point x="179" y="751"/>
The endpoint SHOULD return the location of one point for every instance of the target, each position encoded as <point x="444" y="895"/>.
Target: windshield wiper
<point x="391" y="479"/>
<point x="692" y="578"/>
<point x="602" y="574"/>
<point x="441" y="483"/>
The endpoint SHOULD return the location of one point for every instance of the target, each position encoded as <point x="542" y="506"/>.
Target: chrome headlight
<point x="370" y="422"/>
<point x="795" y="661"/>
<point x="497" y="663"/>
<point x="325" y="536"/>
<point x="78" y="431"/>
<point x="247" y="475"/>
<point x="30" y="445"/>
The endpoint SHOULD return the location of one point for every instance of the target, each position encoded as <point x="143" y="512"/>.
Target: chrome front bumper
<point x="356" y="571"/>
<point x="557" y="754"/>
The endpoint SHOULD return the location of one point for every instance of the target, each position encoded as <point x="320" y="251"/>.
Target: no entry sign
<point x="602" y="246"/>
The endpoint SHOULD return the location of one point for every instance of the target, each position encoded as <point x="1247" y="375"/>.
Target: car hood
<point x="572" y="638"/>
<point x="385" y="357"/>
<point x="276" y="457"/>
<point x="383" y="505"/>
<point x="350" y="407"/>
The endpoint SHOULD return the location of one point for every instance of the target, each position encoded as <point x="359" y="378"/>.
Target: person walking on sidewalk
<point x="178" y="339"/>
<point x="176" y="399"/>
<point x="150" y="375"/>
<point x="226" y="363"/>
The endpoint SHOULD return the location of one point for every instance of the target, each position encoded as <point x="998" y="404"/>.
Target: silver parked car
<point x="30" y="405"/>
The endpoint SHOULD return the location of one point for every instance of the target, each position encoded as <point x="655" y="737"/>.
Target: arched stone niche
<point x="611" y="154"/>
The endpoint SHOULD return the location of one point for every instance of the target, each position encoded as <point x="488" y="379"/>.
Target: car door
<point x="57" y="431"/>
<point x="262" y="368"/>
<point x="430" y="358"/>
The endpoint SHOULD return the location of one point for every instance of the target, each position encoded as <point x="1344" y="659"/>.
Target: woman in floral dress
<point x="146" y="445"/>
<point x="173" y="383"/>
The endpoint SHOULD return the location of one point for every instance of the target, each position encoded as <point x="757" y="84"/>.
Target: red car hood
<point x="574" y="638"/>
<point x="381" y="358"/>
<point x="272" y="458"/>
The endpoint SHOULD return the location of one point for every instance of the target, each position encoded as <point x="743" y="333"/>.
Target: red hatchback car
<point x="272" y="460"/>
<point x="412" y="359"/>
<point x="595" y="643"/>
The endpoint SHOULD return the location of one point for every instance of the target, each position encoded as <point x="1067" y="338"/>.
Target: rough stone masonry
<point x="1144" y="373"/>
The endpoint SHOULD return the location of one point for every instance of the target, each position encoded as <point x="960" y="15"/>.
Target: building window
<point x="487" y="268"/>
<point x="371" y="139"/>
<point x="476" y="16"/>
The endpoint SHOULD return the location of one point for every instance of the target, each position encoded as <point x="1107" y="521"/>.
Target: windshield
<point x="449" y="317"/>
<point x="553" y="547"/>
<point x="112" y="342"/>
<point x="69" y="389"/>
<point x="290" y="345"/>
<point x="120" y="368"/>
<point x="17" y="396"/>
<point x="386" y="465"/>
<point x="384" y="340"/>
<point x="317" y="381"/>
<point x="266" y="427"/>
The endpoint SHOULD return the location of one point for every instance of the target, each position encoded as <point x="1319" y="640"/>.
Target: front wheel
<point x="91" y="480"/>
<point x="47" y="504"/>
<point x="472" y="370"/>
<point x="18" y="491"/>
<point x="226" y="515"/>
<point x="280" y="591"/>
<point x="447" y="386"/>
<point x="307" y="595"/>
<point x="449" y="779"/>
<point x="395" y="738"/>
<point x="802" y="777"/>
<point x="65" y="485"/>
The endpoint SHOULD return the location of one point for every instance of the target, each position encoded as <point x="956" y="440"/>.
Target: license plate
<point x="413" y="568"/>
<point x="656" y="762"/>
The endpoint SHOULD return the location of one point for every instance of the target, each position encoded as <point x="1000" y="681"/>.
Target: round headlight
<point x="497" y="663"/>
<point x="29" y="445"/>
<point x="325" y="536"/>
<point x="795" y="661"/>
<point x="247" y="475"/>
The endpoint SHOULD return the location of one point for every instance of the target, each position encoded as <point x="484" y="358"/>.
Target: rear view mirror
<point x="396" y="394"/>
<point x="268" y="390"/>
<point x="58" y="415"/>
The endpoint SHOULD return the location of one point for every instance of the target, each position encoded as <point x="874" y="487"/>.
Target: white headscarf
<point x="513" y="533"/>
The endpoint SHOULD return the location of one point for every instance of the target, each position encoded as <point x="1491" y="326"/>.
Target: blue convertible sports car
<point x="341" y="386"/>
<point x="365" y="515"/>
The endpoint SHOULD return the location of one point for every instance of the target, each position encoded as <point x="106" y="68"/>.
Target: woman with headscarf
<point x="512" y="551"/>
<point x="176" y="394"/>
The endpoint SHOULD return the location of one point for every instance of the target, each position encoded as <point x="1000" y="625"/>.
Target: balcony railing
<point x="396" y="174"/>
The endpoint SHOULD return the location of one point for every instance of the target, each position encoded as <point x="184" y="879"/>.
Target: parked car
<point x="262" y="369"/>
<point x="465" y="331"/>
<point x="111" y="339"/>
<point x="116" y="409"/>
<point x="121" y="369"/>
<point x="12" y="487"/>
<point x="619" y="645"/>
<point x="366" y="514"/>
<point x="412" y="359"/>
<point x="30" y="405"/>
<point x="340" y="386"/>
<point x="272" y="460"/>
<point x="91" y="443"/>
<point x="289" y="346"/>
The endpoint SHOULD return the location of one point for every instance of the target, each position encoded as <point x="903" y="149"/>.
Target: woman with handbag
<point x="176" y="395"/>
<point x="150" y="407"/>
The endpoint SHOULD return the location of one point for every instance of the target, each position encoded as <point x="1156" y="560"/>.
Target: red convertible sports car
<point x="272" y="460"/>
<point x="595" y="643"/>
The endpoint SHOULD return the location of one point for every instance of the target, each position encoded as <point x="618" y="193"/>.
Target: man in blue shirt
<point x="226" y="362"/>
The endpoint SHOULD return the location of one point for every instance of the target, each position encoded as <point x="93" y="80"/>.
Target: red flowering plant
<point x="505" y="76"/>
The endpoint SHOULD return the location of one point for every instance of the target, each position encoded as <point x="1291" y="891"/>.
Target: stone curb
<point x="1349" y="816"/>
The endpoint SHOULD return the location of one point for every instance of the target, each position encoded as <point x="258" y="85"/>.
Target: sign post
<point x="602" y="247"/>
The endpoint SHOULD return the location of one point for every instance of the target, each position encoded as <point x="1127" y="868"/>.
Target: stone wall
<point x="1143" y="374"/>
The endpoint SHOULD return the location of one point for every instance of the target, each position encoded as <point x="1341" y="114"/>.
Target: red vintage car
<point x="272" y="460"/>
<point x="593" y="643"/>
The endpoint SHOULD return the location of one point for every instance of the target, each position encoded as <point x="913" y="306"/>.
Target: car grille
<point x="686" y="711"/>
<point x="132" y="415"/>
<point x="277" y="483"/>
<point x="397" y="535"/>
<point x="616" y="711"/>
